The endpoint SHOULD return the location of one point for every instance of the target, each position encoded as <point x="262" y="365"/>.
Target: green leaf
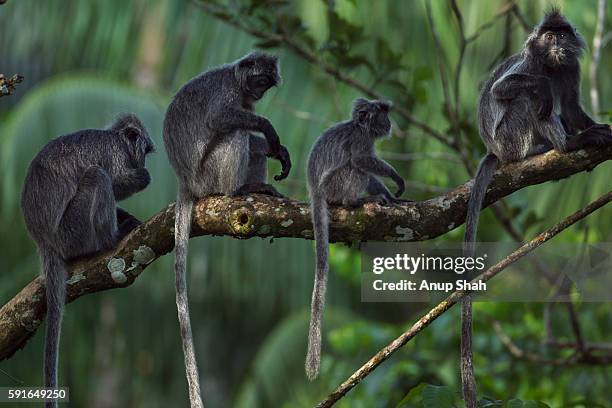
<point x="514" y="403"/>
<point x="438" y="397"/>
<point x="414" y="398"/>
<point x="423" y="73"/>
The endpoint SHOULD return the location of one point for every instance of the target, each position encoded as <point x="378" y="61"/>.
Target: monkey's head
<point x="372" y="116"/>
<point x="555" y="42"/>
<point x="256" y="73"/>
<point x="136" y="137"/>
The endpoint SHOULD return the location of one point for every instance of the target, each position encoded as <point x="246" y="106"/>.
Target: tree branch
<point x="263" y="216"/>
<point x="454" y="298"/>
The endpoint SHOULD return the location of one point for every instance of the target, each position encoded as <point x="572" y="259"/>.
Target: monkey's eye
<point x="548" y="36"/>
<point x="561" y="35"/>
<point x="263" y="82"/>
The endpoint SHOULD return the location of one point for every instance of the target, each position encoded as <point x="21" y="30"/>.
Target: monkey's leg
<point x="89" y="223"/>
<point x="231" y="120"/>
<point x="514" y="136"/>
<point x="372" y="164"/>
<point x="126" y="223"/>
<point x="376" y="187"/>
<point x="552" y="130"/>
<point x="258" y="171"/>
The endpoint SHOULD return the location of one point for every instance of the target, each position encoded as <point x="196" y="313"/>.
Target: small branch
<point x="455" y="297"/>
<point x="526" y="355"/>
<point x="505" y="11"/>
<point x="521" y="19"/>
<point x="417" y="156"/>
<point x="7" y="86"/>
<point x="311" y="57"/>
<point x="587" y="346"/>
<point x="462" y="47"/>
<point x="593" y="68"/>
<point x="440" y="59"/>
<point x="577" y="357"/>
<point x="263" y="216"/>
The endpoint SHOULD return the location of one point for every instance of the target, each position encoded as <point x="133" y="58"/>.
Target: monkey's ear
<point x="131" y="133"/>
<point x="363" y="116"/>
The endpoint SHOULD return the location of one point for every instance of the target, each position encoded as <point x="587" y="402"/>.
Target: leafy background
<point x="85" y="62"/>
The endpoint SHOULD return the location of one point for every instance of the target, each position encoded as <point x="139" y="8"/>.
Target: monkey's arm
<point x="132" y="181"/>
<point x="229" y="120"/>
<point x="510" y="86"/>
<point x="377" y="167"/>
<point x="574" y="117"/>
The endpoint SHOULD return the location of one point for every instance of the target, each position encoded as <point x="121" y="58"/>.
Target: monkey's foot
<point x="260" y="188"/>
<point x="597" y="135"/>
<point x="376" y="199"/>
<point x="400" y="201"/>
<point x="127" y="226"/>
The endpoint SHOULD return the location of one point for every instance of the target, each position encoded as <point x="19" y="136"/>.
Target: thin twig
<point x="451" y="300"/>
<point x="440" y="59"/>
<point x="462" y="47"/>
<point x="593" y="68"/>
<point x="578" y="357"/>
<point x="416" y="156"/>
<point x="505" y="11"/>
<point x="521" y="19"/>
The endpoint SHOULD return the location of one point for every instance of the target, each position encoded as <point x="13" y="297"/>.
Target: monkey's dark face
<point x="559" y="47"/>
<point x="141" y="144"/>
<point x="556" y="42"/>
<point x="256" y="73"/>
<point x="373" y="116"/>
<point x="257" y="85"/>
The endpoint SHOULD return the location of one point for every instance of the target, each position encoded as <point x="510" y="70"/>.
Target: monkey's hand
<point x="132" y="181"/>
<point x="545" y="95"/>
<point x="401" y="187"/>
<point x="282" y="155"/>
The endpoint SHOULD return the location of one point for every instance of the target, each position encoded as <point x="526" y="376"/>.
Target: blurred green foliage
<point x="85" y="62"/>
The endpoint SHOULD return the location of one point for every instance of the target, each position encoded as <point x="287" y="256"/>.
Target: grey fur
<point x="69" y="206"/>
<point x="207" y="134"/>
<point x="342" y="166"/>
<point x="529" y="105"/>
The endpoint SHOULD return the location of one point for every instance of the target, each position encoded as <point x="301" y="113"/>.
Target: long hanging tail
<point x="182" y="229"/>
<point x="321" y="235"/>
<point x="485" y="172"/>
<point x="54" y="270"/>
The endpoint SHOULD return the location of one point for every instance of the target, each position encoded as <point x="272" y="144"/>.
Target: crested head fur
<point x="372" y="115"/>
<point x="129" y="126"/>
<point x="565" y="52"/>
<point x="124" y="121"/>
<point x="257" y="63"/>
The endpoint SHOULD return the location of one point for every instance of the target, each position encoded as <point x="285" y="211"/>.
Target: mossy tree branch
<point x="262" y="216"/>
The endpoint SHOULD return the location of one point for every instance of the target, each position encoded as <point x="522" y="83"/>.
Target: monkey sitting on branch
<point x="207" y="134"/>
<point x="529" y="105"/>
<point x="342" y="166"/>
<point x="69" y="206"/>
